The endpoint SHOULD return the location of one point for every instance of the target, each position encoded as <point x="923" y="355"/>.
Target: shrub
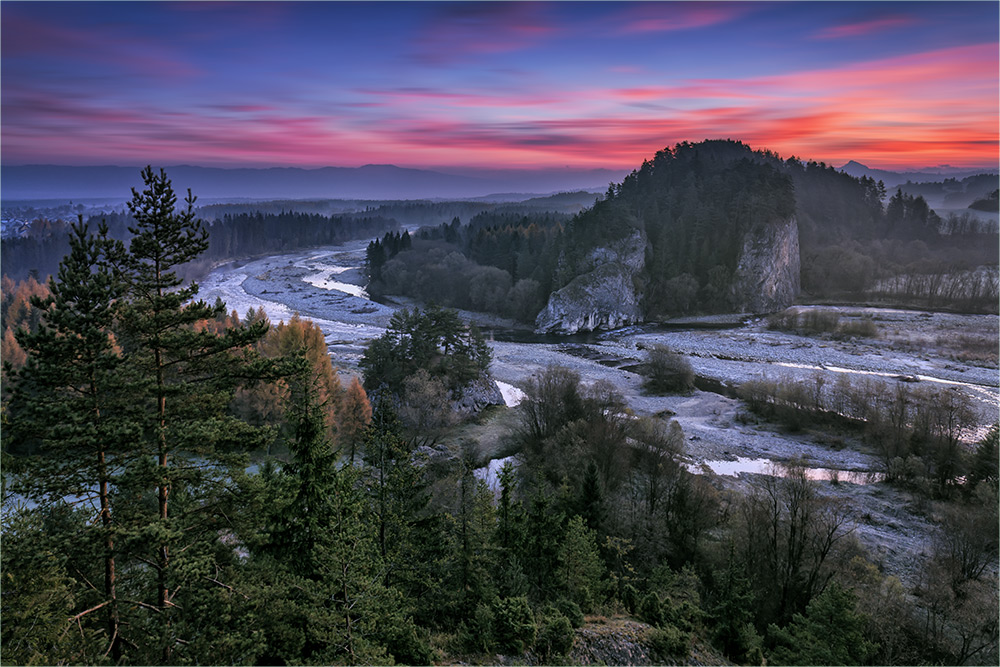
<point x="513" y="624"/>
<point x="667" y="371"/>
<point x="555" y="638"/>
<point x="819" y="321"/>
<point x="669" y="642"/>
<point x="405" y="643"/>
<point x="786" y="320"/>
<point x="630" y="598"/>
<point x="808" y="322"/>
<point x="651" y="609"/>
<point x="571" y="611"/>
<point x="860" y="328"/>
<point x="476" y="636"/>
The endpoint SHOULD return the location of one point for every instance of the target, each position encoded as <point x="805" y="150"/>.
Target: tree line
<point x="234" y="235"/>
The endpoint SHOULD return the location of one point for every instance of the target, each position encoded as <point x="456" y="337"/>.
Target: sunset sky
<point x="502" y="85"/>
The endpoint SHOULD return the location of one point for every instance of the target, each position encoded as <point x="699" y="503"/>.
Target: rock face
<point x="477" y="395"/>
<point x="767" y="274"/>
<point x="603" y="298"/>
<point x="766" y="280"/>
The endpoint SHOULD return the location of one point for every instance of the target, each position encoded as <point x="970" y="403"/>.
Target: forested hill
<point x="696" y="202"/>
<point x="677" y="227"/>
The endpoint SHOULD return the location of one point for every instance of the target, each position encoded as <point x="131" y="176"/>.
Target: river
<point x="326" y="285"/>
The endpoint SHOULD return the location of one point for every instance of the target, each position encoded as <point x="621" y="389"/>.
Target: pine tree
<point x="580" y="571"/>
<point x="183" y="376"/>
<point x="69" y="398"/>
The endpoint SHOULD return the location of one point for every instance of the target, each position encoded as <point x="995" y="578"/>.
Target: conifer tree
<point x="69" y="399"/>
<point x="355" y="415"/>
<point x="182" y="375"/>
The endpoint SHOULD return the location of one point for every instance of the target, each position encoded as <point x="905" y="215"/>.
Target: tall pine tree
<point x="68" y="399"/>
<point x="183" y="375"/>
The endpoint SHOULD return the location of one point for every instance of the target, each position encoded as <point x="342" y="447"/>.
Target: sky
<point x="893" y="85"/>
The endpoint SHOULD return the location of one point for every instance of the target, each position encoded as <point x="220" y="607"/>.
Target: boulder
<point x="477" y="395"/>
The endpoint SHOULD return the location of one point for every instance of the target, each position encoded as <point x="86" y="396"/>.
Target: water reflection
<point x="769" y="467"/>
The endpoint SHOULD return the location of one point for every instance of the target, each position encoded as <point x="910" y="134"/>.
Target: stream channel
<point x="326" y="285"/>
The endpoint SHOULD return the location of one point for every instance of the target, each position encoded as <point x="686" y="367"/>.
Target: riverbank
<point x="942" y="349"/>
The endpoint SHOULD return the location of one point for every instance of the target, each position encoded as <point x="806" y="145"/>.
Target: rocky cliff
<point x="605" y="297"/>
<point x="766" y="279"/>
<point x="767" y="274"/>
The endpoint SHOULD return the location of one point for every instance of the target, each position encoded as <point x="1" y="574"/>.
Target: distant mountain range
<point x="373" y="181"/>
<point x="35" y="182"/>
<point x="893" y="178"/>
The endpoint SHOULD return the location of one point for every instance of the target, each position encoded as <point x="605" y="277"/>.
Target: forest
<point x="694" y="203"/>
<point x="185" y="486"/>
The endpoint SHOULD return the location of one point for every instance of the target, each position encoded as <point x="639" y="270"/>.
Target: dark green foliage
<point x="434" y="340"/>
<point x="681" y="601"/>
<point x="669" y="643"/>
<point x="514" y="626"/>
<point x="499" y="263"/>
<point x="544" y="535"/>
<point x="829" y="633"/>
<point x="591" y="504"/>
<point x="182" y="378"/>
<point x="570" y="610"/>
<point x="476" y="633"/>
<point x="298" y="529"/>
<point x="985" y="464"/>
<point x="69" y="399"/>
<point x="630" y="599"/>
<point x="250" y="234"/>
<point x="732" y="615"/>
<point x="695" y="203"/>
<point x="650" y="609"/>
<point x="39" y="598"/>
<point x="581" y="573"/>
<point x="667" y="372"/>
<point x="234" y="234"/>
<point x="381" y="251"/>
<point x="555" y="635"/>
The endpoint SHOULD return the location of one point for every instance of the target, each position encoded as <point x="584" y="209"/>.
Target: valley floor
<point x="942" y="350"/>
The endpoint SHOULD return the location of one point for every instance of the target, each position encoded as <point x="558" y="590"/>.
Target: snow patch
<point x="512" y="396"/>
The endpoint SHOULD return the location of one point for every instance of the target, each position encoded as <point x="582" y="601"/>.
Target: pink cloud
<point x="27" y="38"/>
<point x="471" y="99"/>
<point x="460" y="30"/>
<point x="866" y="27"/>
<point x="671" y="16"/>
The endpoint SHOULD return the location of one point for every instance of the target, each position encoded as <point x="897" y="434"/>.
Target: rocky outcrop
<point x="767" y="274"/>
<point x="477" y="395"/>
<point x="604" y="297"/>
<point x="766" y="279"/>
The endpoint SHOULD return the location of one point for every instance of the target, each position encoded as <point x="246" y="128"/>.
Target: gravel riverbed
<point x="326" y="286"/>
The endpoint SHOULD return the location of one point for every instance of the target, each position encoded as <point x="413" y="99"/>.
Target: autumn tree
<point x="355" y="415"/>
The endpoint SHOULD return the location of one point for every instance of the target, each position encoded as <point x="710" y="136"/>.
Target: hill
<point x="931" y="175"/>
